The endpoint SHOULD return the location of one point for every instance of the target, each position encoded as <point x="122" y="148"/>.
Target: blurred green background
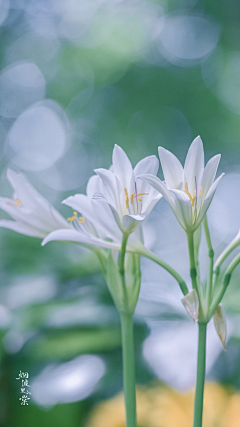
<point x="76" y="78"/>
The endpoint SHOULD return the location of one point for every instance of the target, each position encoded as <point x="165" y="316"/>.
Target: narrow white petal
<point x="220" y="323"/>
<point x="191" y="303"/>
<point x="22" y="228"/>
<point x="78" y="237"/>
<point x="35" y="202"/>
<point x="172" y="169"/>
<point x="109" y="182"/>
<point x="194" y="164"/>
<point x="123" y="169"/>
<point x="148" y="165"/>
<point x="96" y="211"/>
<point x="182" y="209"/>
<point x="158" y="185"/>
<point x="208" y="199"/>
<point x="210" y="173"/>
<point x="94" y="185"/>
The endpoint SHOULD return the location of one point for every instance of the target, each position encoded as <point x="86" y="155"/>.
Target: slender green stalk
<point x="122" y="268"/>
<point x="148" y="254"/>
<point x="198" y="403"/>
<point x="193" y="271"/>
<point x="211" y="257"/>
<point x="232" y="245"/>
<point x="128" y="369"/>
<point x="226" y="281"/>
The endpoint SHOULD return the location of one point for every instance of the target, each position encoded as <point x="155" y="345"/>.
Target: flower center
<point x="130" y="202"/>
<point x="79" y="219"/>
<point x="193" y="197"/>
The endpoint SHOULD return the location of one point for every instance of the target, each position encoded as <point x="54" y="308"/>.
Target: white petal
<point x="182" y="209"/>
<point x="194" y="164"/>
<point x="78" y="237"/>
<point x="172" y="169"/>
<point x="158" y="185"/>
<point x="131" y="222"/>
<point x="208" y="200"/>
<point x="123" y="169"/>
<point x="109" y="182"/>
<point x="148" y="165"/>
<point x="22" y="228"/>
<point x="191" y="303"/>
<point x="31" y="199"/>
<point x="94" y="185"/>
<point x="220" y="324"/>
<point x="210" y="173"/>
<point x="97" y="212"/>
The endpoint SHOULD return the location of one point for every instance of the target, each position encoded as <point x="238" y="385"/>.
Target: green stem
<point x="232" y="245"/>
<point x="122" y="268"/>
<point x="193" y="271"/>
<point x="148" y="254"/>
<point x="226" y="281"/>
<point x="198" y="403"/>
<point x="128" y="369"/>
<point x="211" y="256"/>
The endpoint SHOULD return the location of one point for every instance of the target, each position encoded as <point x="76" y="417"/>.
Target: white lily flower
<point x="93" y="223"/>
<point x="188" y="190"/>
<point x="32" y="214"/>
<point x="129" y="201"/>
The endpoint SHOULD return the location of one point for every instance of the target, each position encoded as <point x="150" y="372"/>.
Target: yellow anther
<point x="189" y="195"/>
<point x="81" y="219"/>
<point x="132" y="197"/>
<point x="71" y="219"/>
<point x="201" y="192"/>
<point x="143" y="194"/>
<point x="140" y="199"/>
<point x="75" y="213"/>
<point x="18" y="202"/>
<point x="126" y="197"/>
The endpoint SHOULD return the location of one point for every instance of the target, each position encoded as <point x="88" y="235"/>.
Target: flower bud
<point x="220" y="323"/>
<point x="191" y="303"/>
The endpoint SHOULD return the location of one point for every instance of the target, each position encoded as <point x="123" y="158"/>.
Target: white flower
<point x="32" y="214"/>
<point x="188" y="190"/>
<point x="129" y="201"/>
<point x="93" y="223"/>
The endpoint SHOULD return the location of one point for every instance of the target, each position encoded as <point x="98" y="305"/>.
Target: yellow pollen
<point x="132" y="197"/>
<point x="71" y="219"/>
<point x="140" y="199"/>
<point x="18" y="202"/>
<point x="75" y="213"/>
<point x="201" y="192"/>
<point x="126" y="197"/>
<point x="81" y="219"/>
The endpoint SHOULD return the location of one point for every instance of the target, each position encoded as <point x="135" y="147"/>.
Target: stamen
<point x="201" y="191"/>
<point x="126" y="198"/>
<point x="18" y="202"/>
<point x="75" y="213"/>
<point x="71" y="219"/>
<point x="81" y="220"/>
<point x="132" y="197"/>
<point x="140" y="199"/>
<point x="143" y="194"/>
<point x="136" y="195"/>
<point x="189" y="195"/>
<point x="195" y="192"/>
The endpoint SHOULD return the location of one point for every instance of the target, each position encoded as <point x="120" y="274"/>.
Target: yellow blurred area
<point x="162" y="407"/>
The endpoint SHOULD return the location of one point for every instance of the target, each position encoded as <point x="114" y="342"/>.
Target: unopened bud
<point x="191" y="303"/>
<point x="220" y="323"/>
